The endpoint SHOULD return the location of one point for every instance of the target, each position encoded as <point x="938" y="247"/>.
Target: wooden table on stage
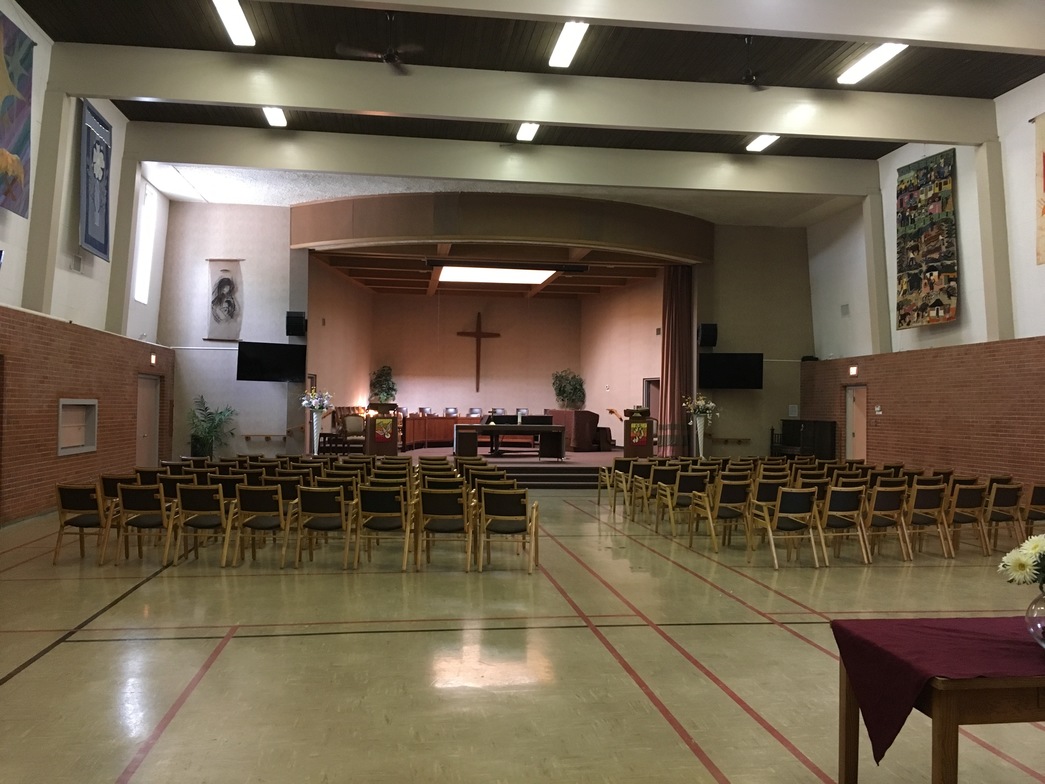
<point x="552" y="441"/>
<point x="954" y="670"/>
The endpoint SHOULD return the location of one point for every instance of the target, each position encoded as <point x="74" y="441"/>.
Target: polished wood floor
<point x="625" y="657"/>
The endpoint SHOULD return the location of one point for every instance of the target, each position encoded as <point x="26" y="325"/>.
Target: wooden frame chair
<point x="607" y="476"/>
<point x="1003" y="508"/>
<point x="730" y="507"/>
<point x="382" y="512"/>
<point x="885" y="511"/>
<point x="689" y="495"/>
<point x="443" y="514"/>
<point x="201" y="513"/>
<point x="322" y="510"/>
<point x="926" y="509"/>
<point x="1033" y="511"/>
<point x="841" y="517"/>
<point x="966" y="507"/>
<point x="794" y="516"/>
<point x="81" y="513"/>
<point x="259" y="510"/>
<point x="645" y="490"/>
<point x="508" y="515"/>
<point x="142" y="509"/>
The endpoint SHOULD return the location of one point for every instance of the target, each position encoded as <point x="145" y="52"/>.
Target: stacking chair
<point x="228" y="482"/>
<point x="877" y="474"/>
<point x="607" y="473"/>
<point x="81" y="510"/>
<point x="109" y="484"/>
<point x="303" y="475"/>
<point x="1003" y="508"/>
<point x="288" y="491"/>
<point x="966" y="508"/>
<point x="253" y="476"/>
<point x="222" y="467"/>
<point x="175" y="466"/>
<point x="508" y="515"/>
<point x="925" y="509"/>
<point x="689" y="495"/>
<point x="821" y="484"/>
<point x="645" y="490"/>
<point x="143" y="509"/>
<point x="201" y="513"/>
<point x="729" y="507"/>
<point x="794" y="516"/>
<point x="1002" y="479"/>
<point x="443" y="514"/>
<point x="439" y="482"/>
<point x="640" y="469"/>
<point x="763" y="500"/>
<point x="148" y="476"/>
<point x="259" y="510"/>
<point x="322" y="510"/>
<point x="842" y="516"/>
<point x="885" y="511"/>
<point x="1033" y="511"/>
<point x="382" y="511"/>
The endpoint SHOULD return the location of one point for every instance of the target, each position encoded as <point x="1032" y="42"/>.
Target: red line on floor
<point x="669" y="717"/>
<point x="153" y="739"/>
<point x="1034" y="774"/>
<point x="740" y="702"/>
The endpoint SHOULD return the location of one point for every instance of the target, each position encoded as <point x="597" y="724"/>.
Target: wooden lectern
<point x="638" y="434"/>
<point x="382" y="430"/>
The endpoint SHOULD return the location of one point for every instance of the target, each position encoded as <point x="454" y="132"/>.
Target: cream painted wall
<point x="14" y="230"/>
<point x="1015" y="110"/>
<point x="619" y="347"/>
<point x="433" y="366"/>
<point x="260" y="236"/>
<point x="757" y="291"/>
<point x="837" y="278"/>
<point x="340" y="331"/>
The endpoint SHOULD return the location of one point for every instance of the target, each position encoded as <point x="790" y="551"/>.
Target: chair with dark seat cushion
<point x="383" y="512"/>
<point x="259" y="510"/>
<point x="143" y="509"/>
<point x="201" y="514"/>
<point x="507" y="515"/>
<point x="81" y="511"/>
<point x="322" y="510"/>
<point x="794" y="516"/>
<point x="443" y="514"/>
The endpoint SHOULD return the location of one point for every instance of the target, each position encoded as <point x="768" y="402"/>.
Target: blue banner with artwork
<point x="16" y="87"/>
<point x="95" y="157"/>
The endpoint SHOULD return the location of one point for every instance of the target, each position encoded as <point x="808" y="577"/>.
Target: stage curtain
<point x="676" y="358"/>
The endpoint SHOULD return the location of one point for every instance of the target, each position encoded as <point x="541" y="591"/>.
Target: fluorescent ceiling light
<point x="527" y="131"/>
<point x="275" y="116"/>
<point x="761" y="142"/>
<point x="870" y="62"/>
<point x="566" y="46"/>
<point x="235" y="22"/>
<point x="525" y="277"/>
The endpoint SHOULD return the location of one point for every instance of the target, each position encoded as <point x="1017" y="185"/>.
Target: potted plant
<point x="568" y="388"/>
<point x="382" y="386"/>
<point x="209" y="427"/>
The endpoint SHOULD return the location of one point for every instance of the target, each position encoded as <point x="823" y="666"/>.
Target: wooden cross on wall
<point x="478" y="335"/>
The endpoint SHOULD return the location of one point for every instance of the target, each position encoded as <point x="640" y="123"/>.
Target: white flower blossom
<point x="1020" y="567"/>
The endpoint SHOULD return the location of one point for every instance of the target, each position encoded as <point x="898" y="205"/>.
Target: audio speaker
<point x="297" y="324"/>
<point x="707" y="335"/>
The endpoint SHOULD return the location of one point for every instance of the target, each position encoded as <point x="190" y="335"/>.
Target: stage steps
<point x="555" y="476"/>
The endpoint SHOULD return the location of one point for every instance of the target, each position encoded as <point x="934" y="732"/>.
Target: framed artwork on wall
<point x="16" y="88"/>
<point x="95" y="157"/>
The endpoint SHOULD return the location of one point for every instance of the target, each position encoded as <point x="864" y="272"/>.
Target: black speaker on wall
<point x="297" y="324"/>
<point x="707" y="335"/>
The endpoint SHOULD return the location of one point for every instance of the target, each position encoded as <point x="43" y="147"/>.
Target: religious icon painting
<point x="638" y="433"/>
<point x="383" y="429"/>
<point x="225" y="315"/>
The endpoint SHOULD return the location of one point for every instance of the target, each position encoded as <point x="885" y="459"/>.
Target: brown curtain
<point x="676" y="359"/>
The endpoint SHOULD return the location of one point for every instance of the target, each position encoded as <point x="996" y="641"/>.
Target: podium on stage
<point x="382" y="430"/>
<point x="638" y="433"/>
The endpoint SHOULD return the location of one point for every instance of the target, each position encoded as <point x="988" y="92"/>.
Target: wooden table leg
<point x="945" y="737"/>
<point x="848" y="730"/>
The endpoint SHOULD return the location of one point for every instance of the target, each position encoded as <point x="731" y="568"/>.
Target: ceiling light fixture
<point x="527" y="131"/>
<point x="760" y="143"/>
<point x="522" y="277"/>
<point x="275" y="116"/>
<point x="235" y="22"/>
<point x="870" y="62"/>
<point x="566" y="46"/>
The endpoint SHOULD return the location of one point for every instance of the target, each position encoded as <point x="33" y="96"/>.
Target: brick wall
<point x="43" y="360"/>
<point x="976" y="408"/>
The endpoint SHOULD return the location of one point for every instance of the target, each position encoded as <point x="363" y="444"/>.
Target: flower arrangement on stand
<point x="317" y="403"/>
<point x="1025" y="565"/>
<point x="699" y="406"/>
<point x="700" y="410"/>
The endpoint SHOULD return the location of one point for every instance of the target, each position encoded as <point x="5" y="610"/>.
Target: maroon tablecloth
<point x="890" y="661"/>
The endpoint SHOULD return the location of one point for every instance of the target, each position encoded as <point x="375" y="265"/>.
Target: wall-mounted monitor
<point x="270" y="361"/>
<point x="729" y="371"/>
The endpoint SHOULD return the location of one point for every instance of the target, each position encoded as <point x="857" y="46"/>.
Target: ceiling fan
<point x="392" y="55"/>
<point x="750" y="77"/>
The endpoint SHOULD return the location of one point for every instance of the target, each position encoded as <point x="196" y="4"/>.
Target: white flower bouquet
<point x="1026" y="564"/>
<point x="699" y="406"/>
<point x="317" y="401"/>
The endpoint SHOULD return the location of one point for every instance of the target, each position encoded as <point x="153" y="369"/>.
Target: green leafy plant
<point x="382" y="385"/>
<point x="568" y="388"/>
<point x="209" y="427"/>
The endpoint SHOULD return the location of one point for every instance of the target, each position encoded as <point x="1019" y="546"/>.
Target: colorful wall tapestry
<point x="926" y="243"/>
<point x="1039" y="183"/>
<point x="226" y="300"/>
<point x="95" y="155"/>
<point x="16" y="86"/>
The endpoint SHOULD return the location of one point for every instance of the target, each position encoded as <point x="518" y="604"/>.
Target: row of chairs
<point x="432" y="501"/>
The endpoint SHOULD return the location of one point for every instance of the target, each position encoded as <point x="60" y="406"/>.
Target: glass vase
<point x="1035" y="617"/>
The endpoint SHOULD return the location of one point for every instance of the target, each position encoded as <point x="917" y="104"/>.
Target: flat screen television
<point x="729" y="371"/>
<point x="270" y="361"/>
